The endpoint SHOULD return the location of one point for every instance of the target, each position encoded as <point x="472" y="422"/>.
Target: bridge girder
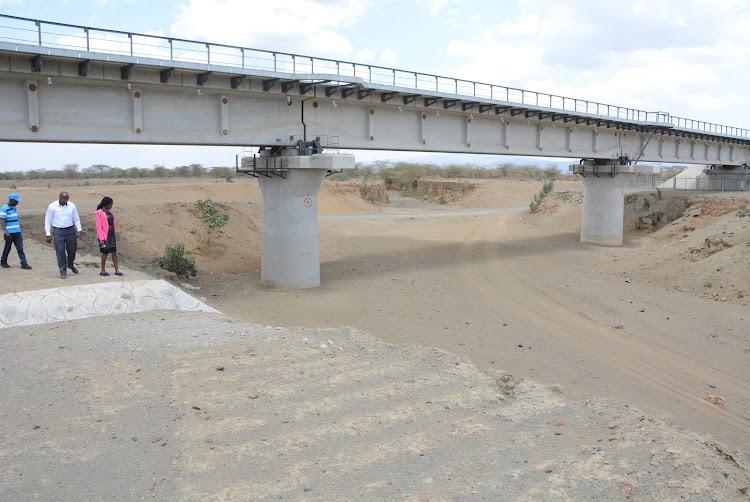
<point x="50" y="99"/>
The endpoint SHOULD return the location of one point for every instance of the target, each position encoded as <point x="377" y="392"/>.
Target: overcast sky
<point x="689" y="58"/>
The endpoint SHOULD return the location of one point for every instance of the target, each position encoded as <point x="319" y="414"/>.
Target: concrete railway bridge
<point x="77" y="84"/>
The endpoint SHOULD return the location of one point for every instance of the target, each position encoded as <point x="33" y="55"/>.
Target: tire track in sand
<point x="673" y="373"/>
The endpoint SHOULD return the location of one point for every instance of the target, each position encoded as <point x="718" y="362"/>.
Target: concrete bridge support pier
<point x="290" y="252"/>
<point x="604" y="185"/>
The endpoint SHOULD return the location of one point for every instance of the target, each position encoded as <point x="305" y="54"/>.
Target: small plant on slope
<point x="212" y="219"/>
<point x="546" y="190"/>
<point x="174" y="260"/>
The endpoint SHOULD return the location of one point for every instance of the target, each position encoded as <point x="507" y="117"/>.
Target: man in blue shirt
<point x="12" y="231"/>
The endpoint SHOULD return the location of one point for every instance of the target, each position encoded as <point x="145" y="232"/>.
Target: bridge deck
<point x="31" y="49"/>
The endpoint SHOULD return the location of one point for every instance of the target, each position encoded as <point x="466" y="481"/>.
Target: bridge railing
<point x="24" y="31"/>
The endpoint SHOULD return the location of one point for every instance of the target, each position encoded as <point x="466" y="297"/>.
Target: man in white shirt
<point x="62" y="216"/>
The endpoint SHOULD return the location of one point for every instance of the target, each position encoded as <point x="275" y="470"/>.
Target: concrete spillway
<point x="26" y="308"/>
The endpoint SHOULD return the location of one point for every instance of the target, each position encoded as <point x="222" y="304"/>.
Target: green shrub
<point x="546" y="190"/>
<point x="365" y="190"/>
<point x="13" y="186"/>
<point x="657" y="195"/>
<point x="174" y="260"/>
<point x="212" y="219"/>
<point x="656" y="217"/>
<point x="229" y="178"/>
<point x="744" y="211"/>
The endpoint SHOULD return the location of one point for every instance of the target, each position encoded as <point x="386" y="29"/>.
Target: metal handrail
<point x="193" y="51"/>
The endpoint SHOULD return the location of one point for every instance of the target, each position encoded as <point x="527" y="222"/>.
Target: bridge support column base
<point x="603" y="209"/>
<point x="604" y="183"/>
<point x="290" y="251"/>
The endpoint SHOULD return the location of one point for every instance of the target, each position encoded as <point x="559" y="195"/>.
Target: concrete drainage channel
<point x="79" y="302"/>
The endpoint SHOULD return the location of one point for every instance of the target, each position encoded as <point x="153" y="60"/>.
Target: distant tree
<point x="551" y="172"/>
<point x="182" y="171"/>
<point x="220" y="172"/>
<point x="12" y="175"/>
<point x="378" y="165"/>
<point x="197" y="170"/>
<point x="504" y="170"/>
<point x="137" y="172"/>
<point x="159" y="171"/>
<point x="117" y="172"/>
<point x="99" y="169"/>
<point x="90" y="172"/>
<point x="70" y="171"/>
<point x="362" y="171"/>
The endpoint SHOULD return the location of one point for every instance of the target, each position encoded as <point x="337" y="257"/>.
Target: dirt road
<point x="508" y="294"/>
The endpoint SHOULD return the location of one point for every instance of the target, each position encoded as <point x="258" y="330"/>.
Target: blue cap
<point x="14" y="196"/>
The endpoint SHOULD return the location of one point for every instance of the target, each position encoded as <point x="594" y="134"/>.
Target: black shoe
<point x="75" y="270"/>
<point x="4" y="265"/>
<point x="25" y="266"/>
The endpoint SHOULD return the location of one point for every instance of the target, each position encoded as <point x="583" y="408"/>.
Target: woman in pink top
<point x="105" y="233"/>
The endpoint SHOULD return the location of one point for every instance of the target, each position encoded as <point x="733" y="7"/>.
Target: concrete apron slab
<point x="78" y="302"/>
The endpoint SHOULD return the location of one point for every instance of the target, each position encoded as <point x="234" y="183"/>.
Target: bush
<point x="546" y="189"/>
<point x="744" y="211"/>
<point x="212" y="219"/>
<point x="366" y="191"/>
<point x="174" y="260"/>
<point x="13" y="186"/>
<point x="656" y="217"/>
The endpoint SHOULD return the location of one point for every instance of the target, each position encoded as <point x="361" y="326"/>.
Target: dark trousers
<point x="16" y="240"/>
<point x="65" y="244"/>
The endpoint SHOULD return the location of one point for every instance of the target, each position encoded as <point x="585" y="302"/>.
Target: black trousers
<point x="16" y="240"/>
<point x="66" y="245"/>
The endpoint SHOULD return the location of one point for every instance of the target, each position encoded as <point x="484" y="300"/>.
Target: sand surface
<point x="506" y="290"/>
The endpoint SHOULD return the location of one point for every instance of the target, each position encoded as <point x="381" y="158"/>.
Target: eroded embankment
<point x="699" y="244"/>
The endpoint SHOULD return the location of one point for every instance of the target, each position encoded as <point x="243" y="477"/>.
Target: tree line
<point x="386" y="170"/>
<point x="399" y="172"/>
<point x="74" y="171"/>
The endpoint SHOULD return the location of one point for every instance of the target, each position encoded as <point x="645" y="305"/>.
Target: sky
<point x="689" y="58"/>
